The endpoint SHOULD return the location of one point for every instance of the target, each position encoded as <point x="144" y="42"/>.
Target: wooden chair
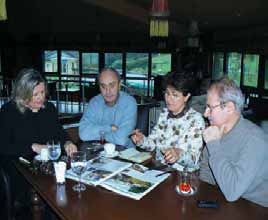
<point x="73" y="133"/>
<point x="6" y="196"/>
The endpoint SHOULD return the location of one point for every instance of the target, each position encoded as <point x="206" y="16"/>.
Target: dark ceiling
<point x="130" y="16"/>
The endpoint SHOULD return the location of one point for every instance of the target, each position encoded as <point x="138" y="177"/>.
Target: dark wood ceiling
<point x="131" y="16"/>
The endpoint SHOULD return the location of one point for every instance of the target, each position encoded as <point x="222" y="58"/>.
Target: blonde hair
<point x="25" y="83"/>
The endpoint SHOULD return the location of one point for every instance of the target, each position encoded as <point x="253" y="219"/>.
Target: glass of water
<point x="54" y="150"/>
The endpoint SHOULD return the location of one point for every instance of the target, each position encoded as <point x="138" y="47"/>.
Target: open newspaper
<point x="98" y="170"/>
<point x="134" y="183"/>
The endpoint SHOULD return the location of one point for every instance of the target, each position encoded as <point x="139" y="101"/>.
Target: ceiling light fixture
<point x="159" y="18"/>
<point x="3" y="11"/>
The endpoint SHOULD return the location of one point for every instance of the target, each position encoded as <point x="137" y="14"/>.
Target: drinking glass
<point x="188" y="182"/>
<point x="78" y="165"/>
<point x="102" y="137"/>
<point x="54" y="150"/>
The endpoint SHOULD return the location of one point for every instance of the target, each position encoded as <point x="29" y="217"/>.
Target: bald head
<point x="109" y="81"/>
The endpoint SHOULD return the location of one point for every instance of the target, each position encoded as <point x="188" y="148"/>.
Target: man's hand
<point x="114" y="128"/>
<point x="213" y="133"/>
<point x="70" y="148"/>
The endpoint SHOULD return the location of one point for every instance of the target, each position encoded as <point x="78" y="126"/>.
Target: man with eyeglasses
<point x="113" y="112"/>
<point x="236" y="153"/>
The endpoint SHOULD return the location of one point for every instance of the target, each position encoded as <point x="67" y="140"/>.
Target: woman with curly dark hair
<point x="177" y="136"/>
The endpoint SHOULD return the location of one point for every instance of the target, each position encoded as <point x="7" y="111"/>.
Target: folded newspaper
<point x="133" y="155"/>
<point x="134" y="183"/>
<point x="98" y="170"/>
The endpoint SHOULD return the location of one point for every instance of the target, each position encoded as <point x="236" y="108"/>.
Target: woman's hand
<point x="38" y="147"/>
<point x="70" y="148"/>
<point x="137" y="136"/>
<point x="171" y="155"/>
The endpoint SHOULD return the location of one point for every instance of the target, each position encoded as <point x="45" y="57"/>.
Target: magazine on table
<point x="98" y="170"/>
<point x="134" y="182"/>
<point x="134" y="155"/>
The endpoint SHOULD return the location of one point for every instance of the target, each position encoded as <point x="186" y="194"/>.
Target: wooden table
<point x="162" y="203"/>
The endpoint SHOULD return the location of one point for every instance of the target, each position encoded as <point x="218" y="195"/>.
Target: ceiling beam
<point x="124" y="8"/>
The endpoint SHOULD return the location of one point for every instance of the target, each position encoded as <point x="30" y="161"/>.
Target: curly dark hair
<point x="182" y="81"/>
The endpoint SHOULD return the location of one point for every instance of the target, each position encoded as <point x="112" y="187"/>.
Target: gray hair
<point x="228" y="91"/>
<point x="25" y="83"/>
<point x="117" y="74"/>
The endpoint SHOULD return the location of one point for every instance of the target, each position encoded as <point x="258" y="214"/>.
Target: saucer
<point x="192" y="191"/>
<point x="115" y="154"/>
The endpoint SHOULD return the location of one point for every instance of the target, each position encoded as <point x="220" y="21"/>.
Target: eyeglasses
<point x="211" y="108"/>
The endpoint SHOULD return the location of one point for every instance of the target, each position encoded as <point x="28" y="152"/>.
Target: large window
<point x="1" y="74"/>
<point x="161" y="63"/>
<point x="137" y="87"/>
<point x="134" y="68"/>
<point x="137" y="65"/>
<point x="90" y="63"/>
<point x="50" y="63"/>
<point x="266" y="75"/>
<point x="69" y="66"/>
<point x="251" y="69"/>
<point x="234" y="66"/>
<point x="69" y="62"/>
<point x="114" y="60"/>
<point x="217" y="69"/>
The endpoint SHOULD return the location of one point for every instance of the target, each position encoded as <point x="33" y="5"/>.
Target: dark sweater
<point x="19" y="131"/>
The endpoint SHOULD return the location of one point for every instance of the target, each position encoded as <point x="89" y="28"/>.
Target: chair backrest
<point x="73" y="133"/>
<point x="5" y="195"/>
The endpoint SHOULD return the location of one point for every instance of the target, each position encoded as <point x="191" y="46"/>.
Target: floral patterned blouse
<point x="184" y="132"/>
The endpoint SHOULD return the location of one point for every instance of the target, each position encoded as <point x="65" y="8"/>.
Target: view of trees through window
<point x="136" y="72"/>
<point x="90" y="63"/>
<point x="234" y="66"/>
<point x="161" y="64"/>
<point x="251" y="69"/>
<point x="137" y="65"/>
<point x="217" y="68"/>
<point x="114" y="60"/>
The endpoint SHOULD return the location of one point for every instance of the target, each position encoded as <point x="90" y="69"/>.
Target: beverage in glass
<point x="188" y="183"/>
<point x="54" y="150"/>
<point x="102" y="137"/>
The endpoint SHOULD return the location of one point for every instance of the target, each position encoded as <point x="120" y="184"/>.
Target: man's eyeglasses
<point x="211" y="108"/>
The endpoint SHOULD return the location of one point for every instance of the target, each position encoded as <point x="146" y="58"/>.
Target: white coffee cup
<point x="44" y="154"/>
<point x="109" y="148"/>
<point x="60" y="168"/>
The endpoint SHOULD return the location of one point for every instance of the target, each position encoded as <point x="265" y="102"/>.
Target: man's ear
<point x="230" y="107"/>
